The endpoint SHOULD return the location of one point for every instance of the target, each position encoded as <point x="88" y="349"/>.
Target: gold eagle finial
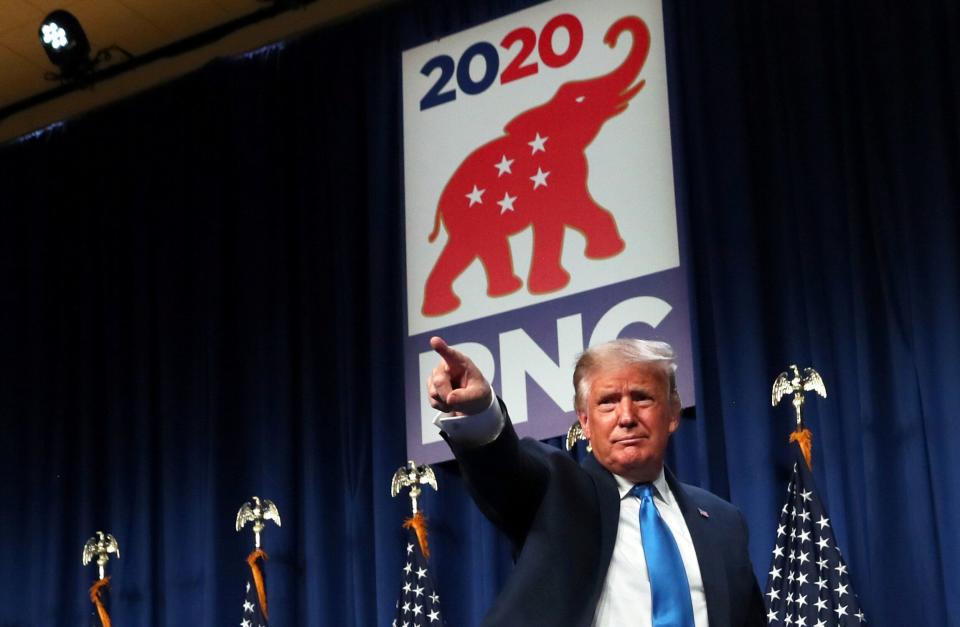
<point x="574" y="433"/>
<point x="785" y="384"/>
<point x="258" y="512"/>
<point x="412" y="476"/>
<point x="99" y="547"/>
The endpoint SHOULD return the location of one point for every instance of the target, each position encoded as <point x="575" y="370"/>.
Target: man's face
<point x="629" y="416"/>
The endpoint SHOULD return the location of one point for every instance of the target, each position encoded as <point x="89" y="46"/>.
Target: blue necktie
<point x="668" y="578"/>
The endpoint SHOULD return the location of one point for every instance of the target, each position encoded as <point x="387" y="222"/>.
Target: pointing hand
<point x="456" y="385"/>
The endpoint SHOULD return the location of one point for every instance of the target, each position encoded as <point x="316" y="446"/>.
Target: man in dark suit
<point x="616" y="540"/>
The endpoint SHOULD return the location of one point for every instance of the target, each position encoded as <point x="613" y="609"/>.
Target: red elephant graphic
<point x="534" y="175"/>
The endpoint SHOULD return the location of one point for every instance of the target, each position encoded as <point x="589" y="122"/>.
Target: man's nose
<point x="625" y="416"/>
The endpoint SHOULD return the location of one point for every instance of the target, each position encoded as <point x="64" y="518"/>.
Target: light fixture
<point x="66" y="44"/>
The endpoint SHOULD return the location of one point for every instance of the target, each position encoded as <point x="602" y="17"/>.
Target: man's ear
<point x="675" y="408"/>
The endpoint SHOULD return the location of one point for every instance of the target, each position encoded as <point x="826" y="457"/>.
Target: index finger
<point x="454" y="359"/>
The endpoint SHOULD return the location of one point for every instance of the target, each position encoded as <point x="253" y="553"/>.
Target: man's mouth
<point x="631" y="440"/>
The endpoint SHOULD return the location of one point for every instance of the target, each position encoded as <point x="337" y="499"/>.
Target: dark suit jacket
<point x="562" y="518"/>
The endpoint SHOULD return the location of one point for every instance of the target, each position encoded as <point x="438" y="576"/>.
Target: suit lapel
<point x="709" y="558"/>
<point x="608" y="498"/>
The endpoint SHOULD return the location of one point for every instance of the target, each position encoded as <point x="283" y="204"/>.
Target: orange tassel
<point x="804" y="438"/>
<point x="419" y="524"/>
<point x="95" y="599"/>
<point x="258" y="578"/>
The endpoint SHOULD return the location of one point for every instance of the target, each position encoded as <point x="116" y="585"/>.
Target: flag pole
<point x="98" y="549"/>
<point x="257" y="511"/>
<point x="418" y="604"/>
<point x="785" y="384"/>
<point x="413" y="476"/>
<point x="808" y="581"/>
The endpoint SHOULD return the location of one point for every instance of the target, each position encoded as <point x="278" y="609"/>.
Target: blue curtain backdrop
<point x="201" y="301"/>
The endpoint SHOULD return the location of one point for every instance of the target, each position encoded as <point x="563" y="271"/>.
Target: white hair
<point x="620" y="352"/>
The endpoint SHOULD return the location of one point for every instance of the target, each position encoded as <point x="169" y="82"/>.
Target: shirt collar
<point x="661" y="487"/>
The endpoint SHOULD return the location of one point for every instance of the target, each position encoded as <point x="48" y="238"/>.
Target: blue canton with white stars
<point x="418" y="604"/>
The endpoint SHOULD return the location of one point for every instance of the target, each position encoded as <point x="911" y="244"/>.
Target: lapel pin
<point x="703" y="513"/>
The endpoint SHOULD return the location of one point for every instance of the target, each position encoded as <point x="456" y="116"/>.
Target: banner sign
<point x="539" y="204"/>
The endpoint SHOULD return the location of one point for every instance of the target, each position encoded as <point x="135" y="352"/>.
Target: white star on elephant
<point x="538" y="144"/>
<point x="506" y="204"/>
<point x="540" y="178"/>
<point x="476" y="198"/>
<point x="503" y="166"/>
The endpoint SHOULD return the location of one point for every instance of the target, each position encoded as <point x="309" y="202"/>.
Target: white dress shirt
<point x="625" y="598"/>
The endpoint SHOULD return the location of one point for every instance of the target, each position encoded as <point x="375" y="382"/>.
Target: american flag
<point x="418" y="604"/>
<point x="808" y="584"/>
<point x="252" y="613"/>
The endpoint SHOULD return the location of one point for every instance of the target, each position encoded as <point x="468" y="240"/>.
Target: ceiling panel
<point x="25" y="42"/>
<point x="15" y="13"/>
<point x="16" y="75"/>
<point x="112" y="23"/>
<point x="182" y="17"/>
<point x="46" y="6"/>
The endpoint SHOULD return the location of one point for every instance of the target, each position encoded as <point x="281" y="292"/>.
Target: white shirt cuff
<point x="475" y="430"/>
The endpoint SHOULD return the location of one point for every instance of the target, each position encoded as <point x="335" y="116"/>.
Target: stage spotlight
<point x="66" y="44"/>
